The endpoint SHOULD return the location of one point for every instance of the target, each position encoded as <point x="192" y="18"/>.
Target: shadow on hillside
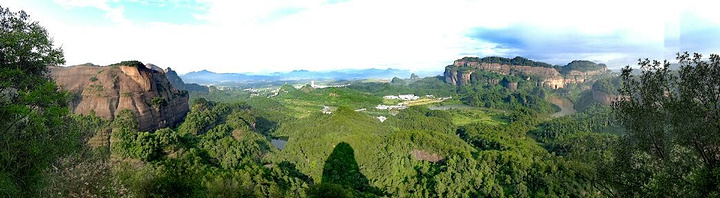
<point x="264" y="125"/>
<point x="342" y="177"/>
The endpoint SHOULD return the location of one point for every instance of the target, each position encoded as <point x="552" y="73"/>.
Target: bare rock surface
<point x="460" y="71"/>
<point x="424" y="155"/>
<point x="107" y="90"/>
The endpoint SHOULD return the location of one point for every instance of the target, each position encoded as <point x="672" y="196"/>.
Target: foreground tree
<point x="33" y="113"/>
<point x="672" y="146"/>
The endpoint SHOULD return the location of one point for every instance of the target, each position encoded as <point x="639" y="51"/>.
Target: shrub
<point x="133" y="63"/>
<point x="158" y="102"/>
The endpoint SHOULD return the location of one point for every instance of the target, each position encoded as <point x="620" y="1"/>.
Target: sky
<point x="247" y="36"/>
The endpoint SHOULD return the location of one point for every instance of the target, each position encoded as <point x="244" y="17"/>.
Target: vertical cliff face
<point x="174" y="79"/>
<point x="451" y="75"/>
<point x="576" y="72"/>
<point x="107" y="90"/>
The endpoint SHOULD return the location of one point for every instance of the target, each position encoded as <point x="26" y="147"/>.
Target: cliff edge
<point x="461" y="71"/>
<point x="106" y="90"/>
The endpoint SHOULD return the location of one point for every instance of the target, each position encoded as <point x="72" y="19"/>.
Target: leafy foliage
<point x="581" y="65"/>
<point x="603" y="87"/>
<point x="33" y="113"/>
<point x="672" y="129"/>
<point x="132" y="63"/>
<point x="219" y="155"/>
<point x="500" y="98"/>
<point x="158" y="102"/>
<point x="424" y="86"/>
<point x="506" y="61"/>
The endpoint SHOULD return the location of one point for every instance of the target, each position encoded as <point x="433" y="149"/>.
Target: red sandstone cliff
<point x="108" y="90"/>
<point x="460" y="71"/>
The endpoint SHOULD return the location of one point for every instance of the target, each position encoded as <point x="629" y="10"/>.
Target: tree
<point x="673" y="133"/>
<point x="33" y="113"/>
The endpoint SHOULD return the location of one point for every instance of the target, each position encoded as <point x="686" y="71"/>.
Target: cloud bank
<point x="284" y="35"/>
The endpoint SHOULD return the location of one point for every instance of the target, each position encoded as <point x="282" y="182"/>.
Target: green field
<point x="424" y="101"/>
<point x="468" y="116"/>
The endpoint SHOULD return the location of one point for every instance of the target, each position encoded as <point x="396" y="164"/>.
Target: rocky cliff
<point x="106" y="90"/>
<point x="459" y="73"/>
<point x="174" y="79"/>
<point x="179" y="84"/>
<point x="603" y="92"/>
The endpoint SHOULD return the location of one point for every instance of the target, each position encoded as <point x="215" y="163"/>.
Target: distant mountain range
<point x="207" y="77"/>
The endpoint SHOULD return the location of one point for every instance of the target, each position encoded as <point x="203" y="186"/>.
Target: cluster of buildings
<point x="313" y="85"/>
<point x="407" y="97"/>
<point x="386" y="107"/>
<point x="274" y="92"/>
<point x="400" y="106"/>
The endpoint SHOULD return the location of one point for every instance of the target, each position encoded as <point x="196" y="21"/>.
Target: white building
<point x="326" y="110"/>
<point x="386" y="107"/>
<point x="382" y="107"/>
<point x="390" y="97"/>
<point x="408" y="97"/>
<point x="313" y="85"/>
<point x="382" y="118"/>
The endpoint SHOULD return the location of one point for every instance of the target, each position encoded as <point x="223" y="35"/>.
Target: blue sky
<point x="285" y="35"/>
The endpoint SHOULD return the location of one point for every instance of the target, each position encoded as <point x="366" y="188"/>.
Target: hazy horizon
<point x="282" y="36"/>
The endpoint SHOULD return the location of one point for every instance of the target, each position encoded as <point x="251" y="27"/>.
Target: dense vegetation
<point x="673" y="129"/>
<point x="507" y="61"/>
<point x="132" y="63"/>
<point x="33" y="113"/>
<point x="581" y="65"/>
<point x="424" y="86"/>
<point x="601" y="88"/>
<point x="496" y="91"/>
<point x="500" y="98"/>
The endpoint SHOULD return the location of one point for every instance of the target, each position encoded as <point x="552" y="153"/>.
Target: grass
<point x="422" y="102"/>
<point x="302" y="108"/>
<point x="468" y="116"/>
<point x="303" y="104"/>
<point x="95" y="88"/>
<point x="391" y="101"/>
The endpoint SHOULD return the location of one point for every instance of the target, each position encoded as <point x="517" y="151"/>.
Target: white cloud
<point x="115" y="14"/>
<point x="272" y="35"/>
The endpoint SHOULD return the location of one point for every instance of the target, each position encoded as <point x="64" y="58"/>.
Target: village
<point x="408" y="100"/>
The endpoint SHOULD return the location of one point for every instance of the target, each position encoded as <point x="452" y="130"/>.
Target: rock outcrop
<point x="603" y="92"/>
<point x="179" y="84"/>
<point x="106" y="90"/>
<point x="459" y="73"/>
<point x="174" y="79"/>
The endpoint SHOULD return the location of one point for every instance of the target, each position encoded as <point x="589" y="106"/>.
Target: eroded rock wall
<point x="459" y="73"/>
<point x="111" y="89"/>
